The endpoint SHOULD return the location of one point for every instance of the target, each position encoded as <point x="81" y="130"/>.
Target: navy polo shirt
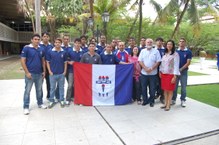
<point x="109" y="58"/>
<point x="161" y="51"/>
<point x="100" y="48"/>
<point x="57" y="59"/>
<point x="46" y="48"/>
<point x="66" y="48"/>
<point x="184" y="55"/>
<point x="74" y="56"/>
<point x="33" y="58"/>
<point x="84" y="48"/>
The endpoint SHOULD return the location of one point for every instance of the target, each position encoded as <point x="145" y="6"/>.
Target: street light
<point x="97" y="33"/>
<point x="105" y="18"/>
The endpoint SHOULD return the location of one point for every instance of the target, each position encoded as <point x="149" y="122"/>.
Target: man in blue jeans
<point x="57" y="67"/>
<point x="185" y="58"/>
<point x="149" y="60"/>
<point x="33" y="63"/>
<point x="75" y="55"/>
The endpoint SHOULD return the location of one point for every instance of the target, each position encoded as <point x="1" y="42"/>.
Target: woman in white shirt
<point x="169" y="70"/>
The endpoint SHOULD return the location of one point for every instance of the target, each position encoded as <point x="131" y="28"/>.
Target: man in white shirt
<point x="149" y="60"/>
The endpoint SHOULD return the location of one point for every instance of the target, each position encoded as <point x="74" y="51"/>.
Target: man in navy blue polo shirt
<point x="101" y="46"/>
<point x="84" y="46"/>
<point x="132" y="44"/>
<point x="75" y="55"/>
<point x="185" y="56"/>
<point x="46" y="47"/>
<point x="33" y="63"/>
<point x="57" y="66"/>
<point x="161" y="49"/>
<point x="108" y="57"/>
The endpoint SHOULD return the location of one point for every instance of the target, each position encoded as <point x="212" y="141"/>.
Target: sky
<point x="148" y="10"/>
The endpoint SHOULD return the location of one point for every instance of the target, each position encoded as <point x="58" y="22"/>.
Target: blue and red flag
<point x="97" y="85"/>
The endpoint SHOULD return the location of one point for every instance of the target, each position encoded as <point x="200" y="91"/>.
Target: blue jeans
<point x="57" y="80"/>
<point x="38" y="81"/>
<point x="148" y="81"/>
<point x="183" y="81"/>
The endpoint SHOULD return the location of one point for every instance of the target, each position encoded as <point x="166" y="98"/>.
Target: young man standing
<point x="161" y="49"/>
<point x="46" y="47"/>
<point x="108" y="57"/>
<point x="33" y="63"/>
<point x="57" y="67"/>
<point x="84" y="43"/>
<point x="185" y="56"/>
<point x="91" y="56"/>
<point x="75" y="55"/>
<point x="101" y="46"/>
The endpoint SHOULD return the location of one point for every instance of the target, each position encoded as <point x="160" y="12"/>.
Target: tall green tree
<point x="174" y="8"/>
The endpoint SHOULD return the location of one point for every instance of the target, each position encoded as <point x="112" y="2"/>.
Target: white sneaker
<point x="26" y="111"/>
<point x="183" y="103"/>
<point x="42" y="106"/>
<point x="67" y="103"/>
<point x="56" y="100"/>
<point x="62" y="104"/>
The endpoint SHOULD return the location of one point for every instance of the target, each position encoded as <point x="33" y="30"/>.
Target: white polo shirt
<point x="149" y="58"/>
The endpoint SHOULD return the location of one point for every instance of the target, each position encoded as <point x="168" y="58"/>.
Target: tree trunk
<point x="140" y="20"/>
<point x="180" y="19"/>
<point x="133" y="25"/>
<point x="92" y="15"/>
<point x="31" y="16"/>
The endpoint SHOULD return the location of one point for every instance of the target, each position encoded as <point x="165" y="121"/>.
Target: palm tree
<point x="174" y="8"/>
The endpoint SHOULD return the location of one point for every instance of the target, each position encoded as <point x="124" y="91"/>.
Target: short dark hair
<point x="83" y="36"/>
<point x="77" y="40"/>
<point x="59" y="39"/>
<point x="35" y="35"/>
<point x="173" y="49"/>
<point x="66" y="36"/>
<point x="45" y="33"/>
<point x="182" y="38"/>
<point x="132" y="38"/>
<point x="159" y="39"/>
<point x="91" y="43"/>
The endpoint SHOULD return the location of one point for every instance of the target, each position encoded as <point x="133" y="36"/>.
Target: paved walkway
<point x="113" y="125"/>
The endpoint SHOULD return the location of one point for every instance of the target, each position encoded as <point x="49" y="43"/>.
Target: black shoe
<point x="151" y="104"/>
<point x="156" y="96"/>
<point x="144" y="103"/>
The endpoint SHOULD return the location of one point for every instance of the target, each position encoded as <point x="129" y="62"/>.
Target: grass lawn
<point x="208" y="94"/>
<point x="15" y="73"/>
<point x="191" y="73"/>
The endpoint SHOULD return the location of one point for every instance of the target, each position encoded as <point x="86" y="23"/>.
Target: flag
<point x="97" y="85"/>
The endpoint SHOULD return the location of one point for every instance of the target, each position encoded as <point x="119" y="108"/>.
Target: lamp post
<point x="105" y="18"/>
<point x="97" y="33"/>
<point x="90" y="24"/>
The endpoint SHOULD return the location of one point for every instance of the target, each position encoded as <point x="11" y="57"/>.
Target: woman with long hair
<point x="169" y="70"/>
<point x="133" y="58"/>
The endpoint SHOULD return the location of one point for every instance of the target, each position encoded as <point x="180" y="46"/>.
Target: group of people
<point x="158" y="67"/>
